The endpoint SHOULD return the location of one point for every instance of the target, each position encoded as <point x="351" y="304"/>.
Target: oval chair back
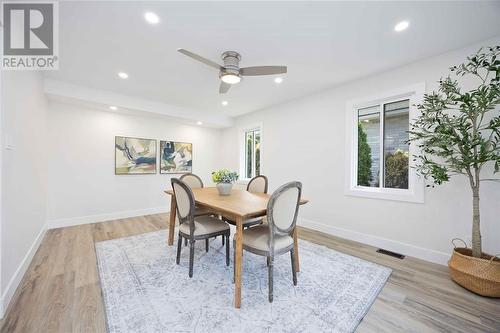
<point x="282" y="210"/>
<point x="185" y="203"/>
<point x="192" y="180"/>
<point x="257" y="184"/>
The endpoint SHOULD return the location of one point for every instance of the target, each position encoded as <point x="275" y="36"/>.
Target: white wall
<point x="83" y="187"/>
<point x="305" y="140"/>
<point x="66" y="176"/>
<point x="24" y="174"/>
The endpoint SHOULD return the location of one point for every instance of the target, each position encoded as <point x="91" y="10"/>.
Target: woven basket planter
<point x="479" y="275"/>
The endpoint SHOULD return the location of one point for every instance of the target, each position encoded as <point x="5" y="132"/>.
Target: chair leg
<point x="294" y="270"/>
<point x="206" y="245"/>
<point x="191" y="257"/>
<point x="227" y="248"/>
<point x="270" y="277"/>
<point x="267" y="259"/>
<point x="179" y="247"/>
<point x="185" y="242"/>
<point x="223" y="240"/>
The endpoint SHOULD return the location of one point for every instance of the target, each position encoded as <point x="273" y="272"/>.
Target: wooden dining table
<point x="239" y="206"/>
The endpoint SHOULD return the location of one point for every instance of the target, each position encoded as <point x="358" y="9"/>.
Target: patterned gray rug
<point x="145" y="291"/>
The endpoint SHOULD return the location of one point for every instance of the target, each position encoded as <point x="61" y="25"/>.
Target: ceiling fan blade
<point x="224" y="87"/>
<point x="200" y="58"/>
<point x="262" y="70"/>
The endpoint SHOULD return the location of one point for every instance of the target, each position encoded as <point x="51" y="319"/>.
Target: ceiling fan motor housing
<point x="230" y="72"/>
<point x="231" y="63"/>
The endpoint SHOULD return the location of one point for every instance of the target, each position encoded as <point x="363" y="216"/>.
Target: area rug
<point x="145" y="291"/>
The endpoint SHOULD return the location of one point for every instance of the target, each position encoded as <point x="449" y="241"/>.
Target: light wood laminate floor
<point x="60" y="291"/>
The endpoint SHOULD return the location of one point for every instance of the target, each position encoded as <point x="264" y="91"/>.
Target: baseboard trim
<point x="379" y="242"/>
<point x="19" y="274"/>
<point x="72" y="221"/>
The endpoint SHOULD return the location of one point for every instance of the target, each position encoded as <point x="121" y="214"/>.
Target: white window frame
<point x="242" y="136"/>
<point x="416" y="186"/>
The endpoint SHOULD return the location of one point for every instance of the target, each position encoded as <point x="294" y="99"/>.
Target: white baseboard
<point x="21" y="270"/>
<point x="384" y="243"/>
<point x="68" y="222"/>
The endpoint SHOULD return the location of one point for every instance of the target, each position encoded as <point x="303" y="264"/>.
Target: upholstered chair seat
<point x="258" y="238"/>
<point x="204" y="225"/>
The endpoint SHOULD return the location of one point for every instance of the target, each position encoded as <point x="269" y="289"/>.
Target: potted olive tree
<point x="458" y="133"/>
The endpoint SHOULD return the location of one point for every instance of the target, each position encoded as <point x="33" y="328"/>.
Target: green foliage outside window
<point x="364" y="158"/>
<point x="249" y="148"/>
<point x="396" y="169"/>
<point x="252" y="153"/>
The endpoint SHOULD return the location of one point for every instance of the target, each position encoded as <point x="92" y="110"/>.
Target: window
<point x="252" y="153"/>
<point x="380" y="165"/>
<point x="396" y="148"/>
<point x="383" y="128"/>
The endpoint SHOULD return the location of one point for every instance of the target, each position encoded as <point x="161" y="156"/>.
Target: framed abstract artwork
<point x="134" y="156"/>
<point x="176" y="157"/>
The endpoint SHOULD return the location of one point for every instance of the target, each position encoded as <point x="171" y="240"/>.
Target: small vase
<point x="224" y="188"/>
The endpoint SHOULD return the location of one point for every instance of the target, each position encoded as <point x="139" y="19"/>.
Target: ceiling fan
<point x="230" y="73"/>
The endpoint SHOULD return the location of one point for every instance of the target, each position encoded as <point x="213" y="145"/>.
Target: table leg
<point x="237" y="263"/>
<point x="171" y="223"/>
<point x="296" y="250"/>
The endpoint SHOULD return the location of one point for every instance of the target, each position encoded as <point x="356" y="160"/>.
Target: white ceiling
<point x="322" y="43"/>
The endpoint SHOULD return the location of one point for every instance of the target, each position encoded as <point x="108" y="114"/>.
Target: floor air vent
<point x="392" y="254"/>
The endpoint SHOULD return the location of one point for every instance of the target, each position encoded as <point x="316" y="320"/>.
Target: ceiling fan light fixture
<point x="230" y="78"/>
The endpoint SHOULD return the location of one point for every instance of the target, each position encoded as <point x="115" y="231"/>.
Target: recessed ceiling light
<point x="224" y="103"/>
<point x="199" y="123"/>
<point x="278" y="80"/>
<point x="123" y="75"/>
<point x="151" y="17"/>
<point x="403" y="25"/>
<point x="112" y="107"/>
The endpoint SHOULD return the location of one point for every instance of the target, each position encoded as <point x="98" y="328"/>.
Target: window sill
<point x="387" y="194"/>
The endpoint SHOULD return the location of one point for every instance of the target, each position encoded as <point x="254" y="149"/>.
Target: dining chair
<point x="276" y="237"/>
<point x="194" y="181"/>
<point x="193" y="227"/>
<point x="257" y="184"/>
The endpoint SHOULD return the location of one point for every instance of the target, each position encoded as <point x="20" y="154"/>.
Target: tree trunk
<point x="476" y="230"/>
